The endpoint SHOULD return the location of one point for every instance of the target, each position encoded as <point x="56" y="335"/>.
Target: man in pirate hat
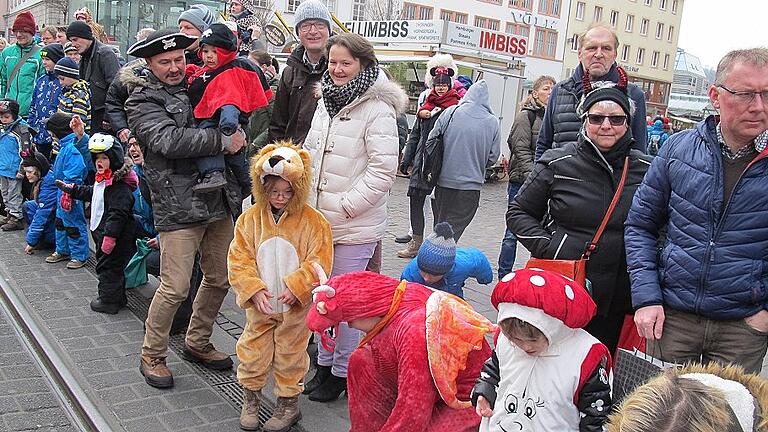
<point x="160" y="115"/>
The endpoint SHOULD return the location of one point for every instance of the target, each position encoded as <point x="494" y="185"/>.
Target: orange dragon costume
<point x="266" y="254"/>
<point x="414" y="371"/>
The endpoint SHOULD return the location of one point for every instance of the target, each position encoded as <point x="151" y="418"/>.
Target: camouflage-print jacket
<point x="160" y="116"/>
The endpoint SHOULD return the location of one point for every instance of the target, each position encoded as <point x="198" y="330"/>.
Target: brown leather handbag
<point x="577" y="269"/>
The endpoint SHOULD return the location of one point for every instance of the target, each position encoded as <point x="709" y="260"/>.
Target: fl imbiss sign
<point x="441" y="32"/>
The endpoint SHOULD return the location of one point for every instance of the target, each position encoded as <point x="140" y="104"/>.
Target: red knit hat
<point x="25" y="22"/>
<point x="552" y="293"/>
<point x="357" y="295"/>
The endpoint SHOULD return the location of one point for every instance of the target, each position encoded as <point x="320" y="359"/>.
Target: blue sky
<point x="711" y="28"/>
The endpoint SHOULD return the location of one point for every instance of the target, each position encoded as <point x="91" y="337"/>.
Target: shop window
<point x="518" y="29"/>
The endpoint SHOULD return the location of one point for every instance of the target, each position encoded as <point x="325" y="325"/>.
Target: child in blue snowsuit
<point x="69" y="167"/>
<point x="45" y="99"/>
<point x="15" y="141"/>
<point x="443" y="266"/>
<point x="40" y="211"/>
<point x="656" y="137"/>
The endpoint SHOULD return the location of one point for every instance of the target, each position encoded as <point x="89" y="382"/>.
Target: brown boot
<point x="412" y="249"/>
<point x="249" y="415"/>
<point x="12" y="224"/>
<point x="155" y="372"/>
<point x="208" y="357"/>
<point x="285" y="416"/>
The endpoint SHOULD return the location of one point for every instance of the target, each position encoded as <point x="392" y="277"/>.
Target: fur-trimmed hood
<point x="287" y="161"/>
<point x="384" y="90"/>
<point x="138" y="76"/>
<point x="440" y="60"/>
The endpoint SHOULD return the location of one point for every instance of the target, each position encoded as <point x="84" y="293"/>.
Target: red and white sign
<point x="490" y="41"/>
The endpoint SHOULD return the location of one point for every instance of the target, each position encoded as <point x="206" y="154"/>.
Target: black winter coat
<point x="99" y="66"/>
<point x="117" y="220"/>
<point x="118" y="93"/>
<point x="560" y="206"/>
<point x="160" y="117"/>
<point x="414" y="154"/>
<point x="295" y="102"/>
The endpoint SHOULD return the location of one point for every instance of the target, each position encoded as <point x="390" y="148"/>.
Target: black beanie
<point x="220" y="36"/>
<point x="612" y="93"/>
<point x="37" y="160"/>
<point x="79" y="29"/>
<point x="58" y="124"/>
<point x="53" y="52"/>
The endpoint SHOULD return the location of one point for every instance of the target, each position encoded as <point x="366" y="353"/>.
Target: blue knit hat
<point x="67" y="67"/>
<point x="199" y="16"/>
<point x="438" y="252"/>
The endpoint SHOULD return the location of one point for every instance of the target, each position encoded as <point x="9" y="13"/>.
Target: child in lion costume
<point x="278" y="244"/>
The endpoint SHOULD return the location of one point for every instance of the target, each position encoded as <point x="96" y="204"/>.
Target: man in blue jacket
<point x="443" y="266"/>
<point x="704" y="295"/>
<point x="597" y="58"/>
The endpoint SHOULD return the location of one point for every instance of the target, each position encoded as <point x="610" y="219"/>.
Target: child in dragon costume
<point x="414" y="369"/>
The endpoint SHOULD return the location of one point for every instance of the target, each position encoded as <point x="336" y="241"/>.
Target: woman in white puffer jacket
<point x="354" y="145"/>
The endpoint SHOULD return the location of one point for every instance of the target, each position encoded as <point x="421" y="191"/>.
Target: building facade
<point x="648" y="32"/>
<point x="689" y="77"/>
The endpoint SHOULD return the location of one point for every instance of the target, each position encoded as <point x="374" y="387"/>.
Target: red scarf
<point x="450" y="98"/>
<point x="106" y="175"/>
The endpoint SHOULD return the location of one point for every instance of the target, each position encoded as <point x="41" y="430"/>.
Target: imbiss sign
<point x="441" y="32"/>
<point x="490" y="41"/>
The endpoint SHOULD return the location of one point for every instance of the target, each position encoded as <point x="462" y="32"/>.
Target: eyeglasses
<point x="306" y="26"/>
<point x="277" y="194"/>
<point x="598" y="119"/>
<point x="746" y="96"/>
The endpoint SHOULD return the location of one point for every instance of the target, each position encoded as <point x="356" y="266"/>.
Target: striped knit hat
<point x="68" y="68"/>
<point x="438" y="252"/>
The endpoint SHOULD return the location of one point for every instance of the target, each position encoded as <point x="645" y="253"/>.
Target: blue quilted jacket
<point x="714" y="259"/>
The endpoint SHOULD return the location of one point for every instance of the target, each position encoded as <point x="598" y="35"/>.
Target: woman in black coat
<point x="560" y="206"/>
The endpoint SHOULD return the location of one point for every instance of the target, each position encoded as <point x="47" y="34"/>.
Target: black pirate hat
<point x="161" y="41"/>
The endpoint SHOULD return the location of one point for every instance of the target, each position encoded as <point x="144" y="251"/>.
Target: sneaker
<point x="56" y="257"/>
<point x="208" y="357"/>
<point x="210" y="182"/>
<point x="12" y="224"/>
<point x="75" y="264"/>
<point x="155" y="372"/>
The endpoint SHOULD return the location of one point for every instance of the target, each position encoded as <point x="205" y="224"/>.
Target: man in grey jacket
<point x="471" y="144"/>
<point x="160" y="115"/>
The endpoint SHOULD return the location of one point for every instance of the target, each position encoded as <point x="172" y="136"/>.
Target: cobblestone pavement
<point x="27" y="402"/>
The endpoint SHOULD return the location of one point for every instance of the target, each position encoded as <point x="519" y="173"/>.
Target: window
<point x="666" y="61"/>
<point x="409" y="11"/>
<point x="520" y="4"/>
<point x="545" y="43"/>
<point x="659" y="30"/>
<point x="625" y="53"/>
<point x="358" y="10"/>
<point x="630" y="23"/>
<point x="580" y="11"/>
<point x="670" y="33"/>
<point x="330" y="4"/>
<point x="655" y="59"/>
<point x="575" y="42"/>
<point x="644" y="27"/>
<point x="425" y="13"/>
<point x="598" y="14"/>
<point x="648" y="2"/>
<point x="457" y="17"/>
<point x="663" y="4"/>
<point x="292" y="5"/>
<point x="518" y="29"/>
<point x="614" y="18"/>
<point x="414" y="11"/>
<point x="487" y="23"/>
<point x="674" y="6"/>
<point x="493" y="2"/>
<point x="640" y="56"/>
<point x="549" y="7"/>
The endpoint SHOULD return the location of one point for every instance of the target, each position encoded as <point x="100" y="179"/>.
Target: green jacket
<point x="23" y="84"/>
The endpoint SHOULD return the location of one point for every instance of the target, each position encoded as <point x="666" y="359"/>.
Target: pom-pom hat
<point x="437" y="254"/>
<point x="547" y="300"/>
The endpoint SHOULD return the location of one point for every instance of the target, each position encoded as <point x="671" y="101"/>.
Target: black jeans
<point x="455" y="206"/>
<point x="416" y="205"/>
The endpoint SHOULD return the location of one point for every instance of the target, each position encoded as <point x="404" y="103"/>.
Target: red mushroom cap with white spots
<point x="552" y="293"/>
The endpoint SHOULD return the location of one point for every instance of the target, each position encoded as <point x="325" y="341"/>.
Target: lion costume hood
<point x="287" y="161"/>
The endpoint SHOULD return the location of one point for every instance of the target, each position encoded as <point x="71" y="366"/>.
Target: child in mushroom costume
<point x="423" y="349"/>
<point x="279" y="247"/>
<point x="546" y="372"/>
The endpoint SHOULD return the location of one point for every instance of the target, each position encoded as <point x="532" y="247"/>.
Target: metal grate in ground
<point x="224" y="382"/>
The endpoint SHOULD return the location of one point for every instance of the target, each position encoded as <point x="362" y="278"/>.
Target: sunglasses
<point x="598" y="119"/>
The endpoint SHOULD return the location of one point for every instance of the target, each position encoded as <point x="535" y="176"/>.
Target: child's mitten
<point x="108" y="244"/>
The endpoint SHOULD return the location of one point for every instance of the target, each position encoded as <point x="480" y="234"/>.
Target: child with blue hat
<point x="443" y="266"/>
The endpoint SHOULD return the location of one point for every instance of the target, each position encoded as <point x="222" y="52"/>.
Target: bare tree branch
<point x="383" y="10"/>
<point x="60" y="7"/>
